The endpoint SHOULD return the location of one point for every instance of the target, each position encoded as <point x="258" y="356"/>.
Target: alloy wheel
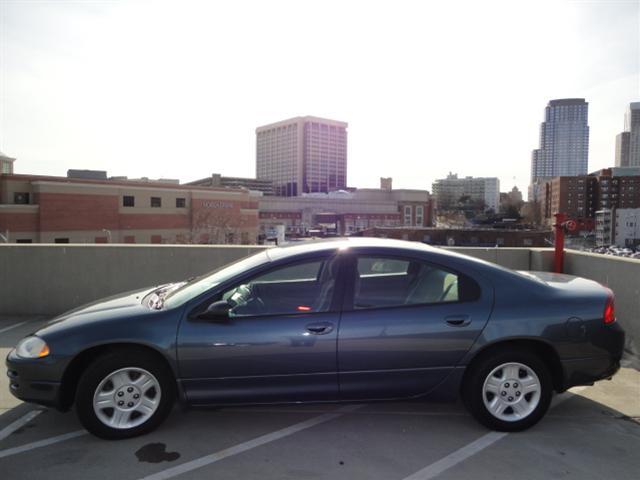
<point x="126" y="398"/>
<point x="511" y="391"/>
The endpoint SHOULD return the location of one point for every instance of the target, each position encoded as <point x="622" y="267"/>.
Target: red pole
<point x="558" y="259"/>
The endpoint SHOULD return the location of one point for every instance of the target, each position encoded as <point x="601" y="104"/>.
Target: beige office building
<point x="302" y="155"/>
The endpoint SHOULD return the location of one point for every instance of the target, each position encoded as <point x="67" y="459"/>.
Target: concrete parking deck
<point x="590" y="433"/>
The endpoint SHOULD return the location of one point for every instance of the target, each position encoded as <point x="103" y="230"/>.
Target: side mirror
<point x="216" y="311"/>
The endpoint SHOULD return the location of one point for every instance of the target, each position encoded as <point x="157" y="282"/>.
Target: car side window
<point x="390" y="282"/>
<point x="305" y="287"/>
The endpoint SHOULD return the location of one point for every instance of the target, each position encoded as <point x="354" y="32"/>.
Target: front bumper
<point x="27" y="382"/>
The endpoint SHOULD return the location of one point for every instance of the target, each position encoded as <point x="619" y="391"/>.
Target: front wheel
<point x="508" y="391"/>
<point x="124" y="394"/>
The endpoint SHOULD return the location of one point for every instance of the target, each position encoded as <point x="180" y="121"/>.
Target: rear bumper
<point x="24" y="386"/>
<point x="586" y="371"/>
<point x="605" y="348"/>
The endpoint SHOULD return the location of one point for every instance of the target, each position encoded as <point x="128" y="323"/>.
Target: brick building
<point x="70" y="210"/>
<point x="582" y="196"/>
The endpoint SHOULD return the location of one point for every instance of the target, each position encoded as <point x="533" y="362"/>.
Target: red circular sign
<point x="571" y="225"/>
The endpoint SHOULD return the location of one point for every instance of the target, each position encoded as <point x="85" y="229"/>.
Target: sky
<point x="176" y="89"/>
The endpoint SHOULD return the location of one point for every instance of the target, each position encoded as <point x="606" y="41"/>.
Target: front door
<point x="405" y="326"/>
<point x="278" y="344"/>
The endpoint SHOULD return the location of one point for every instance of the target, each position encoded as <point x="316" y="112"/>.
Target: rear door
<point x="406" y="324"/>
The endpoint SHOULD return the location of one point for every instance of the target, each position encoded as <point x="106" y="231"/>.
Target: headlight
<point x="32" y="347"/>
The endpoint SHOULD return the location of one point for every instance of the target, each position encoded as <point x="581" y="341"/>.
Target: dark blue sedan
<point x="347" y="320"/>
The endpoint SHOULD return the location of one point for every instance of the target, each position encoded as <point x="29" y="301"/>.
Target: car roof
<point x="311" y="246"/>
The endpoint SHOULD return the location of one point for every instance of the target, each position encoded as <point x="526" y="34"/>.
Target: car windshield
<point x="201" y="284"/>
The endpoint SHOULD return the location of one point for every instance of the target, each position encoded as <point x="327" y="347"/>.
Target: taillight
<point x="609" y="310"/>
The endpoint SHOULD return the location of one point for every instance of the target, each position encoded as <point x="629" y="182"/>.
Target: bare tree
<point x="215" y="225"/>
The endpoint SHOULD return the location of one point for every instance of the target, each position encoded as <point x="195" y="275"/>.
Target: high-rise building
<point x="628" y="142"/>
<point x="302" y="155"/>
<point x="622" y="149"/>
<point x="481" y="191"/>
<point x="564" y="141"/>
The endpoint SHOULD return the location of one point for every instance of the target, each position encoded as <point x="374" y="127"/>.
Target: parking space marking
<point x="456" y="457"/>
<point x="19" y="423"/>
<point x="243" y="447"/>
<point x="11" y="327"/>
<point x="488" y="439"/>
<point x="41" y="443"/>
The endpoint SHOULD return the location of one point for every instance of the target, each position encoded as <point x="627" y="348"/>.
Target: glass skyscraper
<point x="564" y="140"/>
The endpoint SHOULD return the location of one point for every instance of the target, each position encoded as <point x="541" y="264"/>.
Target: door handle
<point x="458" y="320"/>
<point x="320" y="328"/>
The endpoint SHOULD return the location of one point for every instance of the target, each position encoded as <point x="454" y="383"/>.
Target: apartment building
<point x="484" y="192"/>
<point x="582" y="196"/>
<point x="618" y="226"/>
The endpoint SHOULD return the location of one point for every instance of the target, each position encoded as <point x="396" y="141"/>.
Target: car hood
<point x="116" y="304"/>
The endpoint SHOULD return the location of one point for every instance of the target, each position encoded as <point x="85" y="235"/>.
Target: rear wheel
<point x="508" y="391"/>
<point x="124" y="394"/>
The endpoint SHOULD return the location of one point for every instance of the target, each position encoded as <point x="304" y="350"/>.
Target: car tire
<point x="124" y="393"/>
<point x="509" y="390"/>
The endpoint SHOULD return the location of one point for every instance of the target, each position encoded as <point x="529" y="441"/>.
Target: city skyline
<point x="417" y="106"/>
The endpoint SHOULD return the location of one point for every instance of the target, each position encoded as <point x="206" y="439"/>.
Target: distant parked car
<point x="347" y="320"/>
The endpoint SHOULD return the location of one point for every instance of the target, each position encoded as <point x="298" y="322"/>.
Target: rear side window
<point x="374" y="266"/>
<point x="391" y="282"/>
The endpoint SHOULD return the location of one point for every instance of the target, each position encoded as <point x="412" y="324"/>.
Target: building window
<point x="21" y="198"/>
<point x="407" y="215"/>
<point x="24" y="240"/>
<point x="420" y="215"/>
<point x="129" y="239"/>
<point x="181" y="203"/>
<point x="156" y="202"/>
<point x="61" y="240"/>
<point x="128" y="201"/>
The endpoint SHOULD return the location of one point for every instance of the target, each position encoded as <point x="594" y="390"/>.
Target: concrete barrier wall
<point x="50" y="279"/>
<point x="622" y="275"/>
